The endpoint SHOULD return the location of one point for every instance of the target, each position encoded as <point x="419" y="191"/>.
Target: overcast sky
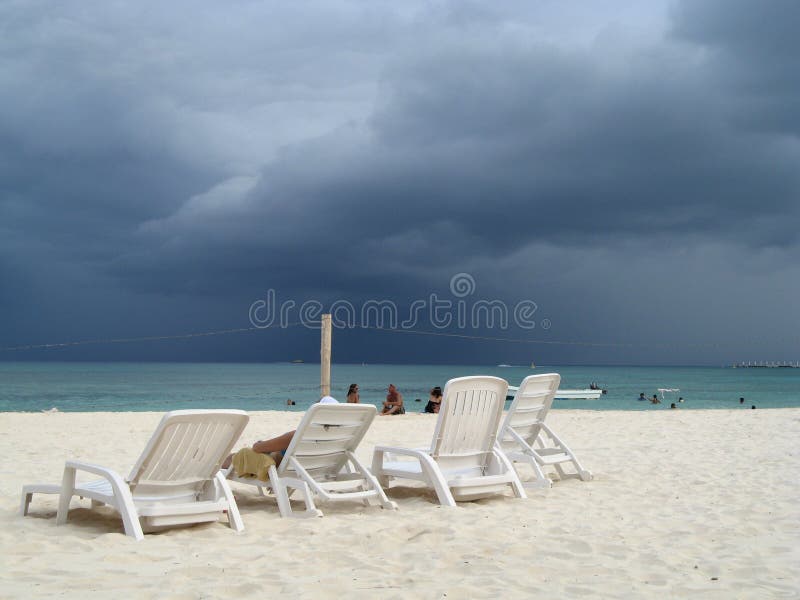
<point x="632" y="168"/>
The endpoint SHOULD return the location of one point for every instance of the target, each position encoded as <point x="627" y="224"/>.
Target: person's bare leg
<point x="276" y="444"/>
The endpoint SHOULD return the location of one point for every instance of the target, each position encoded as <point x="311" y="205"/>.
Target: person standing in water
<point x="352" y="394"/>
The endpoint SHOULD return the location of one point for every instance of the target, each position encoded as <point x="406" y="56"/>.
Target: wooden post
<point x="325" y="357"/>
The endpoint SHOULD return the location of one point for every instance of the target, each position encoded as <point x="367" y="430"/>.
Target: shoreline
<point x="683" y="503"/>
<point x="301" y="410"/>
<point x="111" y="387"/>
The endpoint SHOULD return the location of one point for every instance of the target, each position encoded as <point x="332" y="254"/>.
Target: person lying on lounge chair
<point x="275" y="447"/>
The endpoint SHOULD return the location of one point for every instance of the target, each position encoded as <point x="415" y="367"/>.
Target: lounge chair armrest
<point x="122" y="497"/>
<point x="105" y="472"/>
<point x="427" y="466"/>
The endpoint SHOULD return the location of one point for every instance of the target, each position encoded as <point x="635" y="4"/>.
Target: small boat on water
<point x="664" y="391"/>
<point x="566" y="394"/>
<point x="578" y="394"/>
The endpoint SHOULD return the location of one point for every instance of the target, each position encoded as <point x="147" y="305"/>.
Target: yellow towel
<point x="249" y="463"/>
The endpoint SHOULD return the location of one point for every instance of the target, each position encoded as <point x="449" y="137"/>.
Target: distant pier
<point x="767" y="365"/>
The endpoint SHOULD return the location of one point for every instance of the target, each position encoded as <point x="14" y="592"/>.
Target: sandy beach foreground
<point x="683" y="504"/>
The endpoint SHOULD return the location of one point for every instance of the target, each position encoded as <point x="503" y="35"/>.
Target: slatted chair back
<point x="185" y="452"/>
<point x="530" y="406"/>
<point x="466" y="428"/>
<point x="324" y="437"/>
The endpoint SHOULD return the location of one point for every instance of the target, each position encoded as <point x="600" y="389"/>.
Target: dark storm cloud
<point x="753" y="57"/>
<point x="488" y="143"/>
<point x="353" y="151"/>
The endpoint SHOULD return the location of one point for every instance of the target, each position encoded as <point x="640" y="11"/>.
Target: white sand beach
<point x="683" y="504"/>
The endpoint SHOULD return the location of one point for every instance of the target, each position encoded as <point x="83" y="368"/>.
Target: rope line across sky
<point x="158" y="338"/>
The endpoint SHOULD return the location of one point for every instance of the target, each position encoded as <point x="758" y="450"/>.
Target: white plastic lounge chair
<point x="321" y="462"/>
<point x="176" y="480"/>
<point x="462" y="462"/>
<point x="524" y="436"/>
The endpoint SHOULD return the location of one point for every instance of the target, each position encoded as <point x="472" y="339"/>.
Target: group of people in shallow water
<point x="393" y="405"/>
<point x="655" y="400"/>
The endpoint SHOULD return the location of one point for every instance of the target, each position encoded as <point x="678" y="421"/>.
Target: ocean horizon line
<point x="374" y="363"/>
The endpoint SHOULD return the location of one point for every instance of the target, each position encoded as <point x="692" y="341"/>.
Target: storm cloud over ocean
<point x="631" y="168"/>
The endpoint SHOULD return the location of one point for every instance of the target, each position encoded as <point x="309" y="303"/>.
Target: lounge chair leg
<point x="506" y="466"/>
<point x="438" y="482"/>
<point x="130" y="518"/>
<point x="234" y="518"/>
<point x="67" y="489"/>
<point x="443" y="493"/>
<point x="518" y="489"/>
<point x="374" y="484"/>
<point x="308" y="498"/>
<point x="538" y="484"/>
<point x="542" y="481"/>
<point x="281" y="495"/>
<point x="26" y="500"/>
<point x="377" y="469"/>
<point x="132" y="526"/>
<point x="584" y="474"/>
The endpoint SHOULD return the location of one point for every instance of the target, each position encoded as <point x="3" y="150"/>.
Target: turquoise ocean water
<point x="120" y="387"/>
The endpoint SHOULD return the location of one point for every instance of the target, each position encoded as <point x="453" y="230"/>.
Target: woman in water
<point x="352" y="394"/>
<point x="435" y="401"/>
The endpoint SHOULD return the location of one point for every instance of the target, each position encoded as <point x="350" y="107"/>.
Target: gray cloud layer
<point x="151" y="159"/>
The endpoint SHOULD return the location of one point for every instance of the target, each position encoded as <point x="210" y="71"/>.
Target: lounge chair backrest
<point x="186" y="450"/>
<point x="531" y="404"/>
<point x="466" y="429"/>
<point x="324" y="436"/>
